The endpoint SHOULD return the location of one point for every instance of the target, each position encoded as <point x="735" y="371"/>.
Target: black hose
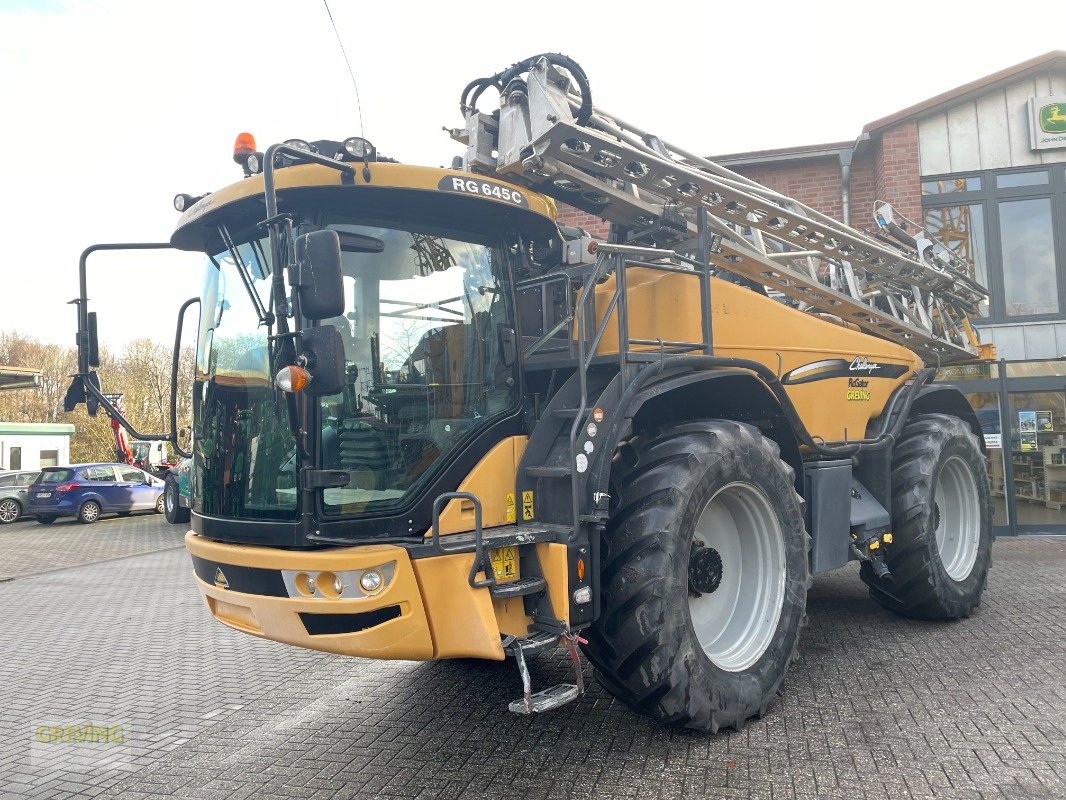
<point x="468" y="102"/>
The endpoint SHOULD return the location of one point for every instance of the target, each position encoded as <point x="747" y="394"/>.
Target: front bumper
<point x="424" y="610"/>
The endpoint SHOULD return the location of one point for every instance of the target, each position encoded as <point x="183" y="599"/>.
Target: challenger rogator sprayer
<point x="429" y="423"/>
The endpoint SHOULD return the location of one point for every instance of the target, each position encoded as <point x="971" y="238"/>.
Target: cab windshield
<point x="243" y="446"/>
<point x="423" y="359"/>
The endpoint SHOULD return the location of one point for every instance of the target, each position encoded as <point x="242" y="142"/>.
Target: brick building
<point x="983" y="167"/>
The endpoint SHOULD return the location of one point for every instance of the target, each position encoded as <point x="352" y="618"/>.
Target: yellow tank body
<point x="837" y="377"/>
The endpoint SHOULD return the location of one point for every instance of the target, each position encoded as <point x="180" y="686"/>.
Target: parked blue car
<point x="86" y="491"/>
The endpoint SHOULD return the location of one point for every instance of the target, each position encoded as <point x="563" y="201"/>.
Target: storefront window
<point x="969" y="183"/>
<point x="1011" y="180"/>
<point x="1038" y="456"/>
<point x="962" y="230"/>
<point x="1030" y="284"/>
<point x="1008" y="223"/>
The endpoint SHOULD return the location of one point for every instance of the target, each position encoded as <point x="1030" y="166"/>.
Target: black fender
<point x="943" y="398"/>
<point x="874" y="469"/>
<point x="674" y="396"/>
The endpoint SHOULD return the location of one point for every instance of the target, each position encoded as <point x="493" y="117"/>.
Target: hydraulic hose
<point x="473" y="90"/>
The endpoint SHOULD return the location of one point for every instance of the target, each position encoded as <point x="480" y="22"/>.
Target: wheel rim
<point x="9" y="511"/>
<point x="160" y="501"/>
<point x="168" y="496"/>
<point x="90" y="512"/>
<point x="956" y="518"/>
<point x="736" y="576"/>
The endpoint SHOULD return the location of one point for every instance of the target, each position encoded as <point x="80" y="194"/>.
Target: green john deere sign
<point x="1053" y="118"/>
<point x="1047" y="122"/>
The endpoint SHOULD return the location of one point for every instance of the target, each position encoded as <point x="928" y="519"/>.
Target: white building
<point x="32" y="445"/>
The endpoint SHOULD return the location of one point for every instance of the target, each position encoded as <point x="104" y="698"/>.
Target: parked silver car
<point x="13" y="486"/>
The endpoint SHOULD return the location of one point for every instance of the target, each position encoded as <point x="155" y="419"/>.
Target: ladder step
<point x="518" y="588"/>
<point x="547" y="699"/>
<point x="535" y="642"/>
<point x="548" y="472"/>
<point x="565" y="413"/>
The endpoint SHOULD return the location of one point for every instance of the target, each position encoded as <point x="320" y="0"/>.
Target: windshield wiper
<point x="266" y="319"/>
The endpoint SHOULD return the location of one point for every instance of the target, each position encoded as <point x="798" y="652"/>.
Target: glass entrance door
<point x="1038" y="456"/>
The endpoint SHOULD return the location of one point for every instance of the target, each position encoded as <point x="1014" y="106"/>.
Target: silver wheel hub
<point x="8" y="511"/>
<point x="91" y="512"/>
<point x="736" y="576"/>
<point x="957" y="518"/>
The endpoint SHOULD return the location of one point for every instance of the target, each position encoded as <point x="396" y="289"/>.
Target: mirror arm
<point x="174" y="364"/>
<point x="82" y="301"/>
<point x="116" y="415"/>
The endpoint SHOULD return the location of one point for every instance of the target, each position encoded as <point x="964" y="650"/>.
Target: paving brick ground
<point x="876" y="707"/>
<point x="29" y="548"/>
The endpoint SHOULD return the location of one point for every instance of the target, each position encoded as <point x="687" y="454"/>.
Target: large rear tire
<point x="942" y="523"/>
<point x="704" y="575"/>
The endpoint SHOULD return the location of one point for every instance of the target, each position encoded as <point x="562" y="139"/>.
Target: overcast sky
<point x="110" y="108"/>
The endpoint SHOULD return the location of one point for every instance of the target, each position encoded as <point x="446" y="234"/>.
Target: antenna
<point x="358" y="102"/>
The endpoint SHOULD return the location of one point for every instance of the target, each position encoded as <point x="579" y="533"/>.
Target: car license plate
<point x="44" y="494"/>
<point x="505" y="563"/>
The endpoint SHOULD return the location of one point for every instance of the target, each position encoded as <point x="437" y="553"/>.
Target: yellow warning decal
<point x="505" y="563"/>
<point x="510" y="516"/>
<point x="527" y="506"/>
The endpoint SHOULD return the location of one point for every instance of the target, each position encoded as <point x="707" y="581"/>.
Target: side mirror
<point x="323" y="349"/>
<point x="94" y="343"/>
<point x="318" y="275"/>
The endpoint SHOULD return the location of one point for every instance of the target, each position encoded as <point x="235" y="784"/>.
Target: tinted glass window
<point x="7" y="480"/>
<point x="56" y="475"/>
<point x="26" y="478"/>
<point x="1012" y="179"/>
<point x="948" y="185"/>
<point x="131" y="475"/>
<point x="962" y="230"/>
<point x="1029" y="280"/>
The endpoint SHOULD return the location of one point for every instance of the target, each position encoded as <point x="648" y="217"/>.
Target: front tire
<point x="10" y="511"/>
<point x="89" y="512"/>
<point x="942" y="523"/>
<point x="704" y="575"/>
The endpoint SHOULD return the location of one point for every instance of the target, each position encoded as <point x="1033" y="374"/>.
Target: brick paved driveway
<point x="877" y="706"/>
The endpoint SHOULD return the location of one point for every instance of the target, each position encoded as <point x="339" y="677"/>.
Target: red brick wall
<point x="898" y="174"/>
<point x="887" y="170"/>
<point x="814" y="182"/>
<point x="594" y="226"/>
<point x="863" y="192"/>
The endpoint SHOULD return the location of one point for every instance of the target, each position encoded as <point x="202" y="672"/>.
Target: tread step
<point x="518" y="588"/>
<point x="501" y="536"/>
<point x="548" y="472"/>
<point x="547" y="699"/>
<point x="565" y="413"/>
<point x="536" y="642"/>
